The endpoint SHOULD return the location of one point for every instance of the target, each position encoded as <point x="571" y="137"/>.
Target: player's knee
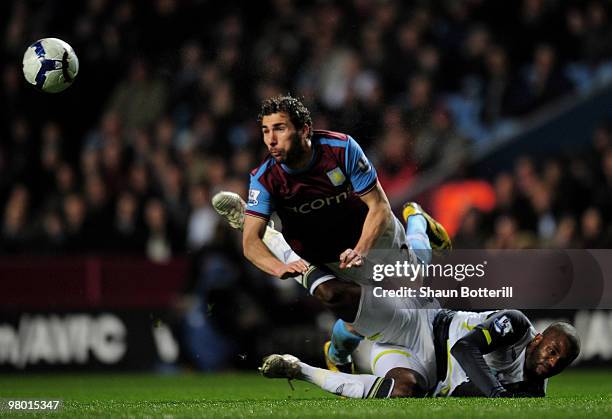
<point x="327" y="293"/>
<point x="406" y="383"/>
<point x="340" y="297"/>
<point x="336" y="292"/>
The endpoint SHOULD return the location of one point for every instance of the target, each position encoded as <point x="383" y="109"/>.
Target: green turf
<point x="575" y="394"/>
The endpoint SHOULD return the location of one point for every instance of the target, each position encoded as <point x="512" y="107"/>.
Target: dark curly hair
<point x="298" y="113"/>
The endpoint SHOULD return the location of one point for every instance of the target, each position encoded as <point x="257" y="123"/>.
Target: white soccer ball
<point x="50" y="64"/>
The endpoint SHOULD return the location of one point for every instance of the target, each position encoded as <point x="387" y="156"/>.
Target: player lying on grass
<point x="414" y="374"/>
<point x="448" y="353"/>
<point x="347" y="298"/>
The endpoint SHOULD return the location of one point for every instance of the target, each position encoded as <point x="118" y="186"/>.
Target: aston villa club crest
<point x="336" y="176"/>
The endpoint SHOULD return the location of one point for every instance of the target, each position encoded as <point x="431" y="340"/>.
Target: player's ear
<point x="538" y="338"/>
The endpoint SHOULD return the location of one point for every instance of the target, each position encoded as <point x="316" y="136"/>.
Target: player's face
<point x="283" y="140"/>
<point x="546" y="356"/>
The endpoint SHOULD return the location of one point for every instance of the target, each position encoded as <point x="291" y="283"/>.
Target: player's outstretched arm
<point x="258" y="253"/>
<point x="377" y="220"/>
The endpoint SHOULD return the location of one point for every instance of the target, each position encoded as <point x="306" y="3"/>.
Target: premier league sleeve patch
<point x="503" y="326"/>
<point x="364" y="165"/>
<point x="253" y="194"/>
<point x="359" y="170"/>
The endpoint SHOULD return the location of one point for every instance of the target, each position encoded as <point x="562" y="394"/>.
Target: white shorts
<point x="393" y="238"/>
<point x="412" y="335"/>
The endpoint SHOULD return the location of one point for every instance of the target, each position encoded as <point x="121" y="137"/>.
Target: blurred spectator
<point x="438" y="143"/>
<point x="593" y="231"/>
<point x="542" y="81"/>
<point x="508" y="236"/>
<point x="74" y="213"/>
<point x="394" y="165"/>
<point x="598" y="34"/>
<point x="20" y="150"/>
<point x="471" y="59"/>
<point x="470" y="233"/>
<point x="603" y="193"/>
<point x="139" y="181"/>
<point x="15" y="234"/>
<point x="546" y="222"/>
<point x="99" y="212"/>
<point x="160" y="237"/>
<point x="203" y="219"/>
<point x="565" y="236"/>
<point x="173" y="193"/>
<point x="418" y="103"/>
<point x="509" y="201"/>
<point x="140" y="99"/>
<point x="127" y="231"/>
<point x="497" y="84"/>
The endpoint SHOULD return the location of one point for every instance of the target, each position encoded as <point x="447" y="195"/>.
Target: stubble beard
<point x="295" y="153"/>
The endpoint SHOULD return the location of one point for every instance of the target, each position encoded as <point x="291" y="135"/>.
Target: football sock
<point x="416" y="234"/>
<point x="279" y="247"/>
<point x="343" y="343"/>
<point x="361" y="386"/>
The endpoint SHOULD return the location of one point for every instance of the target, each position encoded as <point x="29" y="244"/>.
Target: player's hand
<point x="350" y="258"/>
<point x="512" y="394"/>
<point x="293" y="269"/>
<point x="519" y="394"/>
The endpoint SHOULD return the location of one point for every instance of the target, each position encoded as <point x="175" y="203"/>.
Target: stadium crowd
<point x="173" y="90"/>
<point x="163" y="111"/>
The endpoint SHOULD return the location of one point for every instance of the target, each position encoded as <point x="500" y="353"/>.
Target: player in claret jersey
<point x="324" y="190"/>
<point x="333" y="212"/>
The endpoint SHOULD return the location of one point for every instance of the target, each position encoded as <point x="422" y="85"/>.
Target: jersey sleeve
<point x="501" y="329"/>
<point x="260" y="202"/>
<point x="359" y="169"/>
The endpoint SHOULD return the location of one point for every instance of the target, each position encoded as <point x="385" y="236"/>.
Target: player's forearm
<point x="259" y="255"/>
<point x="473" y="363"/>
<point x="375" y="224"/>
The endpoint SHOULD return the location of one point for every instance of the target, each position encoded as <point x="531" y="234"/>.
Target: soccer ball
<point x="50" y="64"/>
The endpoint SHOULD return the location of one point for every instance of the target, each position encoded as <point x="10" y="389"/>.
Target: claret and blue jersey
<point x="319" y="206"/>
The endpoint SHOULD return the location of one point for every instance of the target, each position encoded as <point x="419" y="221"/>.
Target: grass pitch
<point x="575" y="394"/>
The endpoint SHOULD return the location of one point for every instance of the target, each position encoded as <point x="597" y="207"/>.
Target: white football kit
<point x="389" y="246"/>
<point x="507" y="362"/>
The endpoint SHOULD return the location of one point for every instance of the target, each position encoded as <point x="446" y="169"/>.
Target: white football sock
<point x="360" y="386"/>
<point x="275" y="241"/>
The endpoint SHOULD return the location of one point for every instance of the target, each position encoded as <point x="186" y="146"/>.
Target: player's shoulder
<point x="505" y="322"/>
<point x="514" y="315"/>
<point x="266" y="165"/>
<point x="330" y="138"/>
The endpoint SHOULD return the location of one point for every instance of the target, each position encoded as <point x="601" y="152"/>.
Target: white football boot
<point x="280" y="366"/>
<point x="230" y="206"/>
